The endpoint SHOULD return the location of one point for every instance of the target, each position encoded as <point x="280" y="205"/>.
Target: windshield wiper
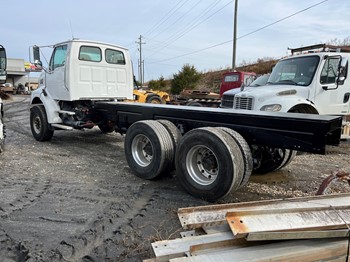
<point x="286" y="82"/>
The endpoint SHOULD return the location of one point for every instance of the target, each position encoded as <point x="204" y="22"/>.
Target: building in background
<point x="19" y="73"/>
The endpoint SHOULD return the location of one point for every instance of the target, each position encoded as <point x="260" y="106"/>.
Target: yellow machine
<point x="151" y="96"/>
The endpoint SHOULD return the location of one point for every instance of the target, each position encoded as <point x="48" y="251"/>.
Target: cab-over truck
<point x="213" y="150"/>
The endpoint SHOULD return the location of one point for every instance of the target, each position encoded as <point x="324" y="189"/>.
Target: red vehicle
<point x="236" y="79"/>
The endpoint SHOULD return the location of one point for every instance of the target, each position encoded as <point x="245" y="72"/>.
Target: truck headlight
<point x="271" y="108"/>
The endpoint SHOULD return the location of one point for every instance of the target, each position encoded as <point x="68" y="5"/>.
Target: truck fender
<point x="291" y="103"/>
<point x="51" y="106"/>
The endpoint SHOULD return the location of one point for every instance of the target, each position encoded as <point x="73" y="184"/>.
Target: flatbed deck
<point x="302" y="132"/>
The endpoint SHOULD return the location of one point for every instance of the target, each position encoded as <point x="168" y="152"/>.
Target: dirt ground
<point x="75" y="199"/>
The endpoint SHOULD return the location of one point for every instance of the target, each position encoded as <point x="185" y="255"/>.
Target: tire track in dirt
<point x="114" y="217"/>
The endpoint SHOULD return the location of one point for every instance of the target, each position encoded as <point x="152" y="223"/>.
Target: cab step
<point x="60" y="126"/>
<point x="66" y="112"/>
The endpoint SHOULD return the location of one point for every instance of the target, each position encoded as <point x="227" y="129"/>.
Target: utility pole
<point x="234" y="35"/>
<point x="141" y="63"/>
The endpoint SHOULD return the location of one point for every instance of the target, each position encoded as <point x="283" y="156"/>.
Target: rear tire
<point x="288" y="157"/>
<point x="105" y="128"/>
<point x="246" y="153"/>
<point x="39" y="125"/>
<point x="175" y="137"/>
<point x="209" y="163"/>
<point x="269" y="159"/>
<point x="148" y="149"/>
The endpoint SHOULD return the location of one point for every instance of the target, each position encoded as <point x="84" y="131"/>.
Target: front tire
<point x="39" y="125"/>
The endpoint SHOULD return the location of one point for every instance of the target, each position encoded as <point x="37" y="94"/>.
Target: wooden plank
<point x="179" y="246"/>
<point x="263" y="236"/>
<point x="210" y="215"/>
<point x="286" y="251"/>
<point x="319" y="218"/>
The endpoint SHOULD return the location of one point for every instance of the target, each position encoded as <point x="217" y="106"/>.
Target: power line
<point x="195" y="25"/>
<point x="229" y="41"/>
<point x="166" y="16"/>
<point x="196" y="22"/>
<point x="189" y="10"/>
<point x="261" y="28"/>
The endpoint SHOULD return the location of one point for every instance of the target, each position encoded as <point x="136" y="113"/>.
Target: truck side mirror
<point x="3" y="64"/>
<point x="36" y="55"/>
<point x="342" y="71"/>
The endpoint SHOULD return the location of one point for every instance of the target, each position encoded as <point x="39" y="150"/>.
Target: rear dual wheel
<point x="149" y="148"/>
<point x="209" y="163"/>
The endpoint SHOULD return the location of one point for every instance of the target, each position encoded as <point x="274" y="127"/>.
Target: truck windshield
<point x="296" y="71"/>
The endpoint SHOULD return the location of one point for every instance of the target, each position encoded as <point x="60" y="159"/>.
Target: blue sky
<point x="173" y="29"/>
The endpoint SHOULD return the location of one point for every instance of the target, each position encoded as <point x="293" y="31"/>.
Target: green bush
<point x="187" y="78"/>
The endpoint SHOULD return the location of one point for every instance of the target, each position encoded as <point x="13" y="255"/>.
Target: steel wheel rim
<point x="142" y="150"/>
<point x="202" y="165"/>
<point x="37" y="124"/>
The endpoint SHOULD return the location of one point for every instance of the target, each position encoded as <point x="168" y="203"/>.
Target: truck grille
<point x="243" y="103"/>
<point x="227" y="101"/>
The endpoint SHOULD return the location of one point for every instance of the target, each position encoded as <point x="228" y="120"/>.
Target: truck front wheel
<point x="209" y="163"/>
<point x="39" y="125"/>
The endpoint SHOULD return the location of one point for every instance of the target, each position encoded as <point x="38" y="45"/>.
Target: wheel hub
<point x="37" y="124"/>
<point x="142" y="150"/>
<point x="202" y="165"/>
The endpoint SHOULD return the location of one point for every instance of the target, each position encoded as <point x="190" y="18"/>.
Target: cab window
<point x="231" y="78"/>
<point x="329" y="70"/>
<point x="90" y="53"/>
<point x="58" y="57"/>
<point x="114" y="57"/>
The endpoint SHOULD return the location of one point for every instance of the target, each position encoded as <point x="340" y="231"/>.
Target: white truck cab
<point x="314" y="82"/>
<point x="80" y="72"/>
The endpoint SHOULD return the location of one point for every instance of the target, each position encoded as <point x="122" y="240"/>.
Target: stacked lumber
<point x="299" y="229"/>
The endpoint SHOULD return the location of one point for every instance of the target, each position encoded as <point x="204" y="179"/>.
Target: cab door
<point x="332" y="97"/>
<point x="56" y="78"/>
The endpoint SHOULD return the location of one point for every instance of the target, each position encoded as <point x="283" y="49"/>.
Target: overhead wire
<point x="183" y="15"/>
<point x="252" y="32"/>
<point x="196" y="22"/>
<point x="166" y="17"/>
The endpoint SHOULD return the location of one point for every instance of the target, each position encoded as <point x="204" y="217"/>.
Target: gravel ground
<point x="75" y="199"/>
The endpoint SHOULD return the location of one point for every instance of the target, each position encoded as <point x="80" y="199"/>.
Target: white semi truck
<point x="313" y="80"/>
<point x="213" y="150"/>
<point x="3" y="63"/>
